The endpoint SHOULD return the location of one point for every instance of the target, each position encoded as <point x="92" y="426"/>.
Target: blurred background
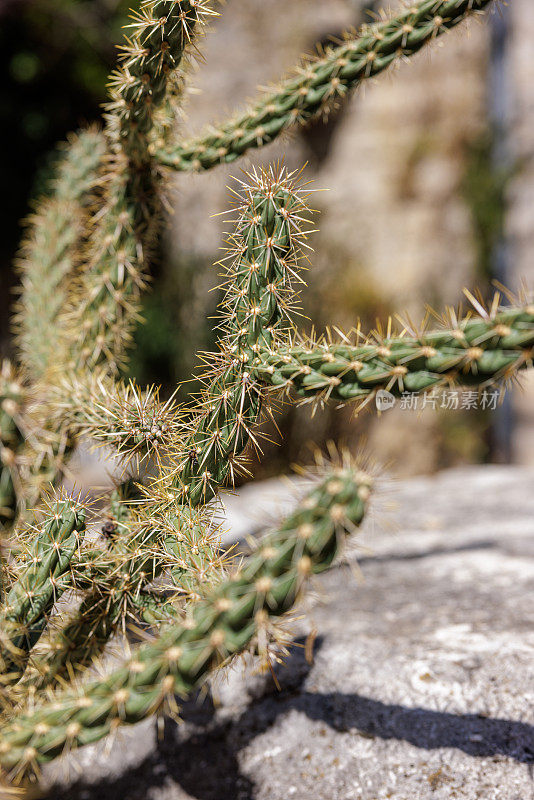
<point x="430" y="172"/>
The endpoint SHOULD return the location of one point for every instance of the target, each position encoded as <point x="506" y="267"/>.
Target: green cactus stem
<point x="265" y="586"/>
<point x="51" y="248"/>
<point x="264" y="255"/>
<point x="317" y="85"/>
<point x="12" y="397"/>
<point x="163" y="30"/>
<point x="474" y="351"/>
<point x="42" y="579"/>
<point x="105" y="302"/>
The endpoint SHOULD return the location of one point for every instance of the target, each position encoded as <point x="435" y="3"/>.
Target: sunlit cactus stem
<point x="41" y="581"/>
<point x="473" y="351"/>
<point x="318" y="84"/>
<point x="223" y="624"/>
<point x="261" y="272"/>
<point x="12" y="398"/>
<point x="106" y="300"/>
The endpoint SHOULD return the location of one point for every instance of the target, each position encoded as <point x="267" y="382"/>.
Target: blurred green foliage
<point x="483" y="188"/>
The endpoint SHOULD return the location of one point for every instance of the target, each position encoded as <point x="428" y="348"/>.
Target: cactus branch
<point x="318" y="84"/>
<point x="51" y="249"/>
<point x="41" y="580"/>
<point x="474" y="351"/>
<point x="12" y="397"/>
<point x="266" y="585"/>
<point x="162" y="31"/>
<point x="105" y="303"/>
<point x="263" y="267"/>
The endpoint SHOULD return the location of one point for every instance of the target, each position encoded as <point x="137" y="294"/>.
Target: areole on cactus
<point x="83" y="268"/>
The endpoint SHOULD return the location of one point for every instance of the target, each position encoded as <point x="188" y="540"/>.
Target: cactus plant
<point x="83" y="267"/>
<point x="40" y="581"/>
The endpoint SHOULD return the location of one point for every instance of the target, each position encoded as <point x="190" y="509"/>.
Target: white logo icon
<point x="384" y="400"/>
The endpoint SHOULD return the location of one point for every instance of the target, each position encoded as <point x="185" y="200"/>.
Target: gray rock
<point x="422" y="680"/>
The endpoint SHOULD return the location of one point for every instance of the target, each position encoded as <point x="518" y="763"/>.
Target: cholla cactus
<point x="83" y="268"/>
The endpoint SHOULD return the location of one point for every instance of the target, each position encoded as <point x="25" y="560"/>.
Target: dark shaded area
<point x="55" y="56"/>
<point x="205" y="762"/>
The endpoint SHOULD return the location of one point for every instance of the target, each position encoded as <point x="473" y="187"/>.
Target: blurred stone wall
<point x="396" y="231"/>
<point x="520" y="228"/>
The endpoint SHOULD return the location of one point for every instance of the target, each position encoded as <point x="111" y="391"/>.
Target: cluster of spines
<point x="264" y="586"/>
<point x="475" y="351"/>
<point x="318" y="84"/>
<point x="134" y="423"/>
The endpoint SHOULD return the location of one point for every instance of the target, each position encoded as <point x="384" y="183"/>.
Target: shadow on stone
<point x="415" y="555"/>
<point x="474" y="734"/>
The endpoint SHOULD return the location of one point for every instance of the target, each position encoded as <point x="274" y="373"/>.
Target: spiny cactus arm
<point x="317" y="85"/>
<point x="267" y="585"/>
<point x="264" y="255"/>
<point x="163" y="30"/>
<point x="135" y="423"/>
<point x="476" y="351"/>
<point x="51" y="248"/>
<point x="141" y="546"/>
<point x="105" y="303"/>
<point x="42" y="579"/>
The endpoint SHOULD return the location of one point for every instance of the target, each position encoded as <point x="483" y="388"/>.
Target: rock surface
<point x="422" y="680"/>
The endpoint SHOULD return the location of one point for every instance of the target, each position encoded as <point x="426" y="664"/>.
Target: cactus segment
<point x="319" y="84"/>
<point x="52" y="247"/>
<point x="266" y="585"/>
<point x="12" y="396"/>
<point x="261" y="274"/>
<point x="42" y="579"/>
<point x="475" y="351"/>
<point x="105" y="304"/>
<point x="163" y="30"/>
